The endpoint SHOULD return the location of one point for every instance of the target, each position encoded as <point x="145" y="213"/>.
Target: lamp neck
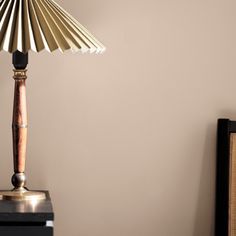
<point x="20" y="60"/>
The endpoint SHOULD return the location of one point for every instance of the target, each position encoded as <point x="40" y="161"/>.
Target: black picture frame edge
<point x="224" y="128"/>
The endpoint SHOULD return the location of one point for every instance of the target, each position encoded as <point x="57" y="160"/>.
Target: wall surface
<point x="125" y="141"/>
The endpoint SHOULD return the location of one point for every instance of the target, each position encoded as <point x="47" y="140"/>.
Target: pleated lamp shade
<point x="42" y="24"/>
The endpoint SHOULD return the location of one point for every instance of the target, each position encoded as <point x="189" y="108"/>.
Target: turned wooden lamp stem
<point x="19" y="120"/>
<point x="19" y="135"/>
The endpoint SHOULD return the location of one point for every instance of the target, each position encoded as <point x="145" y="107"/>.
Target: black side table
<point x="25" y="218"/>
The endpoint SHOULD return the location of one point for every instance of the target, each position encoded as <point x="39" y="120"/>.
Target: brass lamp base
<point x="22" y="195"/>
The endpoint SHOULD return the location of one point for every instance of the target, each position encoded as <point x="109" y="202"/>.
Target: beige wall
<point x="125" y="142"/>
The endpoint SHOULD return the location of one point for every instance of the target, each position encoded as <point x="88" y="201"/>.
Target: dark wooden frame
<point x="225" y="128"/>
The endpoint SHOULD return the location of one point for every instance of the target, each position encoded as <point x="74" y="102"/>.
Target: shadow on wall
<point x="206" y="193"/>
<point x="6" y="67"/>
<point x="6" y="102"/>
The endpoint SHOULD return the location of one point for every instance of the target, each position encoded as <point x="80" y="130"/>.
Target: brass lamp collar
<point x="19" y="74"/>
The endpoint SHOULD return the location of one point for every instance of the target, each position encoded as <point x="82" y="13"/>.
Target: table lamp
<point x="34" y="25"/>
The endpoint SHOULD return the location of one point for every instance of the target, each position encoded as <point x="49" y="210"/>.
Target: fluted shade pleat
<point x="42" y="24"/>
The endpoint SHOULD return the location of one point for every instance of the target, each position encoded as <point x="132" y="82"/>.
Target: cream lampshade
<point x="42" y="24"/>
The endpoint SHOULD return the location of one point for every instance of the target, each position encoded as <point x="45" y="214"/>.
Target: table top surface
<point x="27" y="211"/>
